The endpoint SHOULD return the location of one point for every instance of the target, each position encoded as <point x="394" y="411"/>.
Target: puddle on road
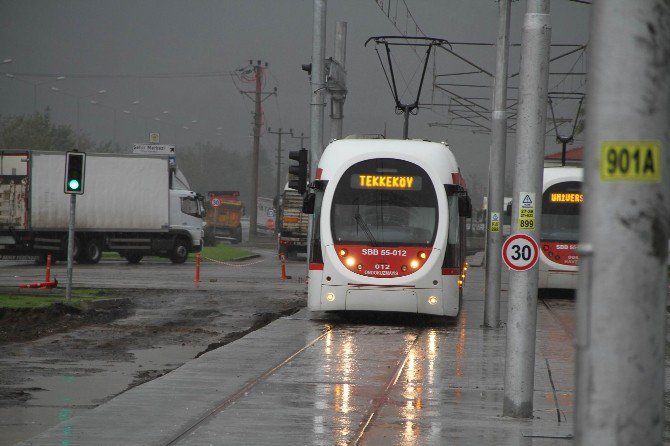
<point x="69" y="394"/>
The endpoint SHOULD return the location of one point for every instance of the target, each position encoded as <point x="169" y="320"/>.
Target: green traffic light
<point x="73" y="184"/>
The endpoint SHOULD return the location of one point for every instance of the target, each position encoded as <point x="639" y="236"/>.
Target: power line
<point x="128" y="75"/>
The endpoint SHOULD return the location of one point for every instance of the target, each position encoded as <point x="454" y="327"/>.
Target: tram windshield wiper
<point x="366" y="229"/>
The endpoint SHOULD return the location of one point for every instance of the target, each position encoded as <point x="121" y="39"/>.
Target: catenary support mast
<point x="624" y="228"/>
<point x="497" y="170"/>
<point x="522" y="303"/>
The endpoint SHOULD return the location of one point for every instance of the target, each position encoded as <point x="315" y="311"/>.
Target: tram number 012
<point x="382" y="266"/>
<point x="521" y="252"/>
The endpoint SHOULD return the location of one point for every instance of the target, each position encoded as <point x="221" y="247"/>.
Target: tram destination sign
<point x="391" y="182"/>
<point x="520" y="252"/>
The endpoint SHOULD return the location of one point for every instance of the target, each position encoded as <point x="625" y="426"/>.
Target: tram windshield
<point x="384" y="202"/>
<point x="560" y="212"/>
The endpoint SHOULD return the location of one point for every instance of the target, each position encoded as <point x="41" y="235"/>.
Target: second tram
<point x="559" y="233"/>
<point x="388" y="231"/>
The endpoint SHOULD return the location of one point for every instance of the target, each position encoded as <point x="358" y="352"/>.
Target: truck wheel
<point x="92" y="251"/>
<point x="179" y="253"/>
<point x="134" y="257"/>
<point x="237" y="236"/>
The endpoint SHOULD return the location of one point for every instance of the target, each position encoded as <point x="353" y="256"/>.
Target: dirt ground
<point x="105" y="352"/>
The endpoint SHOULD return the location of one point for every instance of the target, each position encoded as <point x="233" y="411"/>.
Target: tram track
<point x="243" y="391"/>
<point x="367" y="418"/>
<point x="382" y="397"/>
<point x="570" y="331"/>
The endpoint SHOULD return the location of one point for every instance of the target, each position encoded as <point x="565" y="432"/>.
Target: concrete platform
<point x="324" y="382"/>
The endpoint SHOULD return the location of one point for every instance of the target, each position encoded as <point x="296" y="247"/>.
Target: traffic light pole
<point x="70" y="245"/>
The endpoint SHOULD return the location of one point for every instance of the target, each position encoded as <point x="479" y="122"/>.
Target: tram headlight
<point x="350" y="261"/>
<point x="422" y="255"/>
<point x="330" y="297"/>
<point x="343" y="252"/>
<point x="414" y="264"/>
<point x="432" y="300"/>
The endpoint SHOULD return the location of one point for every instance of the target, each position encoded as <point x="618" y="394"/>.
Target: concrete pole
<point x="318" y="86"/>
<point x="522" y="303"/>
<point x="624" y="227"/>
<point x="337" y="100"/>
<point x="496" y="192"/>
<point x="253" y="215"/>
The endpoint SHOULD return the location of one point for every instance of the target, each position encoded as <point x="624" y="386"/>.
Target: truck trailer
<point x="130" y="205"/>
<point x="292" y="224"/>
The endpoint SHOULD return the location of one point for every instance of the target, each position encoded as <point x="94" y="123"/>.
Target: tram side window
<point x="452" y="256"/>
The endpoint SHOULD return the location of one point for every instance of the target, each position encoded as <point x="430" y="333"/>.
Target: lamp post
<point x="78" y="99"/>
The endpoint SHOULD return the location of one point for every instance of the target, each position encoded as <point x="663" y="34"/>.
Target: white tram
<point x="559" y="233"/>
<point x="388" y="231"/>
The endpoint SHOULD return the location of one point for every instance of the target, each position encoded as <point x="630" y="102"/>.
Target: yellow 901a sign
<point x="630" y="161"/>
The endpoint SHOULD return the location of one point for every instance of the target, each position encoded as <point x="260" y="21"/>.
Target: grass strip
<point x="221" y="252"/>
<point x="44" y="298"/>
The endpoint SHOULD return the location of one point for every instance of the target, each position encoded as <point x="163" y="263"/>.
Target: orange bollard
<point x="48" y="276"/>
<point x="282" y="257"/>
<point x="197" y="270"/>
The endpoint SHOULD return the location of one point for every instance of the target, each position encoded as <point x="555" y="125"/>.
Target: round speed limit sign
<point x="216" y="202"/>
<point x="520" y="252"/>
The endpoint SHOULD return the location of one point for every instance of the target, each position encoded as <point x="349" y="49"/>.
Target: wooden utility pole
<point x="258" y="97"/>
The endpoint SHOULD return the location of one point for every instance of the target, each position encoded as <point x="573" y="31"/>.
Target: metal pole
<point x="624" y="228"/>
<point x="522" y="303"/>
<point x="253" y="215"/>
<point x="337" y="99"/>
<point x="496" y="191"/>
<point x="279" y="133"/>
<point x="405" y="126"/>
<point x="318" y="86"/>
<point x="70" y="245"/>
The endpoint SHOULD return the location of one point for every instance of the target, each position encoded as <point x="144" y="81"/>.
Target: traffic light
<point x="299" y="170"/>
<point x="75" y="165"/>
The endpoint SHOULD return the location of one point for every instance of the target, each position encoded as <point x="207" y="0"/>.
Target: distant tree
<point x="37" y="132"/>
<point x="209" y="166"/>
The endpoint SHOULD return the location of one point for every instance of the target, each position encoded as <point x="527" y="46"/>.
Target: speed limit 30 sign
<point x="520" y="252"/>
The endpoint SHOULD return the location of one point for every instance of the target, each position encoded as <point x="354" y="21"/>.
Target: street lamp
<point x="79" y="98"/>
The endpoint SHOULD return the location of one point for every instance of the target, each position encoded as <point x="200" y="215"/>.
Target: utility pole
<point x="496" y="192"/>
<point x="522" y="303"/>
<point x="279" y="134"/>
<point x="621" y="296"/>
<point x="258" y="97"/>
<point x="338" y="92"/>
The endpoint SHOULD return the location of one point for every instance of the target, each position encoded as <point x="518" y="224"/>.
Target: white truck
<point x="132" y="204"/>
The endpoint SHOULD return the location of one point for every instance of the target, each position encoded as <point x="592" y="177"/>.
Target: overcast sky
<point x="130" y="39"/>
